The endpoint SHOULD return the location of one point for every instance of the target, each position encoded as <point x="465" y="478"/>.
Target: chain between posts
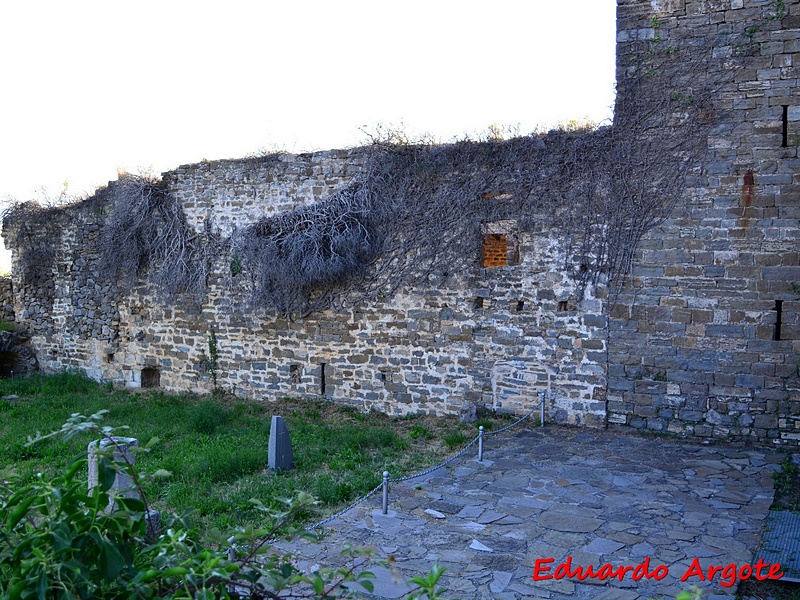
<point x="514" y="424"/>
<point x="386" y="480"/>
<point x="344" y="510"/>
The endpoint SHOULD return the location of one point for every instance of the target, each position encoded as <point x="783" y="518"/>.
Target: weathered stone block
<point x="749" y="381"/>
<point x="690" y="415"/>
<point x="765" y="421"/>
<point x="115" y="449"/>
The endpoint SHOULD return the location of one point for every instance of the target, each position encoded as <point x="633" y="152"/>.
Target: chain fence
<point x="386" y="480"/>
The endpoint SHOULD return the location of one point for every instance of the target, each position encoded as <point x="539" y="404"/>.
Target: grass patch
<point x="419" y="431"/>
<point x="787" y="487"/>
<point x="787" y="497"/>
<point x="207" y="417"/>
<point x="454" y="439"/>
<point x="8" y="325"/>
<point x="217" y="447"/>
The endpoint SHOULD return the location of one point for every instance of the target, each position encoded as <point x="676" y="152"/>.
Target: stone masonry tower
<point x="705" y="340"/>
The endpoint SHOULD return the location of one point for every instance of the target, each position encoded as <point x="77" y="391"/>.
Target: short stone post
<point x="123" y="483"/>
<point x="231" y="549"/>
<point x="480" y="443"/>
<point x="468" y="412"/>
<point x="281" y="457"/>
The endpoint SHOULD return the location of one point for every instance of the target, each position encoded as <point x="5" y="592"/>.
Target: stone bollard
<point x="123" y="483"/>
<point x="281" y="457"/>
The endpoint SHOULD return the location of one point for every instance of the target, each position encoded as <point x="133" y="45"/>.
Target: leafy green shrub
<point x="57" y="540"/>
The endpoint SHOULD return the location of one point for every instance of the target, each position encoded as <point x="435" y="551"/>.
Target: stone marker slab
<point x="281" y="457"/>
<point x="123" y="483"/>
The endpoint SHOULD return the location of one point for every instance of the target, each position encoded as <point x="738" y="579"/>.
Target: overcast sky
<point x="90" y="87"/>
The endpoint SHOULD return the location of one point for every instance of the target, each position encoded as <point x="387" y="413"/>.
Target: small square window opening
<point x="295" y="373"/>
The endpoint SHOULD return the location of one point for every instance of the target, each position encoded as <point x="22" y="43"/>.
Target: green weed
<point x="454" y="439"/>
<point x="419" y="431"/>
<point x="8" y="325"/>
<point x="787" y="486"/>
<point x="487" y="424"/>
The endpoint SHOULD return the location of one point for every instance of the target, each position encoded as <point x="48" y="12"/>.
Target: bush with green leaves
<point x="60" y="540"/>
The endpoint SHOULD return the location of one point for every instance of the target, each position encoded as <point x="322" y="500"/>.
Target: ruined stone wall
<point x="6" y="300"/>
<point x="693" y="343"/>
<point x="703" y="340"/>
<point x="495" y="336"/>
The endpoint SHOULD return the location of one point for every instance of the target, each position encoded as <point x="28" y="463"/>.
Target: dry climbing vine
<point x="36" y="231"/>
<point x="146" y="231"/>
<point x="414" y="215"/>
<point x="295" y="255"/>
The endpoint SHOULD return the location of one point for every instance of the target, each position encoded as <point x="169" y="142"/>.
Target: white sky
<point x="92" y="86"/>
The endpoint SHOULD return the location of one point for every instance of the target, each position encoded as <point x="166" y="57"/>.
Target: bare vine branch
<point x="415" y="213"/>
<point x="146" y="230"/>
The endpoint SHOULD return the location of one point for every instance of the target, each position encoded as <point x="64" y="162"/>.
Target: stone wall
<point x="494" y="336"/>
<point x="693" y="344"/>
<point x="703" y="339"/>
<point x="6" y="300"/>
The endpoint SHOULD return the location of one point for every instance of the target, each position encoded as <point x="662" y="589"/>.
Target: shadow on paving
<point x="599" y="497"/>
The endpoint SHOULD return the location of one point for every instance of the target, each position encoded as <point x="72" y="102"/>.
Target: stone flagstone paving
<point x="597" y="496"/>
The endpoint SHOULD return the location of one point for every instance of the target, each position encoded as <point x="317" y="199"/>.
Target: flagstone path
<point x="599" y="497"/>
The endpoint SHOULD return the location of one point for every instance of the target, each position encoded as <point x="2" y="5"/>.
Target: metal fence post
<point x="480" y="443"/>
<point x="385" y="492"/>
